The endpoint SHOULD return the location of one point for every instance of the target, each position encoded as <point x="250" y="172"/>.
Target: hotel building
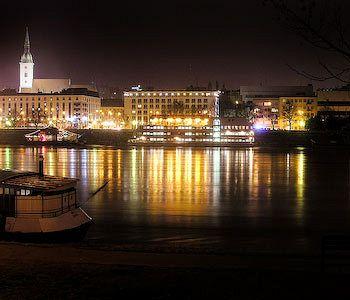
<point x="141" y="106"/>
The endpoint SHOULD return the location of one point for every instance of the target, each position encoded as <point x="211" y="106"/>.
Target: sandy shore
<point x="66" y="271"/>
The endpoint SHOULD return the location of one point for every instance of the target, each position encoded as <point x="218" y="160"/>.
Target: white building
<point x="48" y="101"/>
<point x="29" y="84"/>
<point x="26" y="66"/>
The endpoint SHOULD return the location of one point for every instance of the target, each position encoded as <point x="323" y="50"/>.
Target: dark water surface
<point x="205" y="199"/>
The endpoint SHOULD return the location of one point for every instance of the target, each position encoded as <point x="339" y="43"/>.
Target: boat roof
<point x="32" y="180"/>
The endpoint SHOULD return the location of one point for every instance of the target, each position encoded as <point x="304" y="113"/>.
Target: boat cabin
<point x="31" y="195"/>
<point x="52" y="134"/>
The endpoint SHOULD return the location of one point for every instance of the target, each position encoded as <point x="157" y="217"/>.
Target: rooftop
<point x="69" y="91"/>
<point x="112" y="103"/>
<point x="32" y="180"/>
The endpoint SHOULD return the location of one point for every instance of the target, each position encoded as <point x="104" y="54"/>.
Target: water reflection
<point x="177" y="181"/>
<point x="196" y="187"/>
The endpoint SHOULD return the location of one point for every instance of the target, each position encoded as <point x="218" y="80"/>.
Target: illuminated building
<point x="26" y="66"/>
<point x="334" y="102"/>
<point x="266" y="101"/>
<point x="195" y="129"/>
<point x="77" y="108"/>
<point x="141" y="106"/>
<point x="42" y="102"/>
<point x="112" y="114"/>
<point x="296" y="111"/>
<point x="29" y="84"/>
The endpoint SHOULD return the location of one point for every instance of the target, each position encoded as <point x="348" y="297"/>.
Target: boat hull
<point x="70" y="226"/>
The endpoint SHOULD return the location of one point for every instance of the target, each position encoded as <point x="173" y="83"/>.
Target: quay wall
<point x="108" y="137"/>
<point x="103" y="137"/>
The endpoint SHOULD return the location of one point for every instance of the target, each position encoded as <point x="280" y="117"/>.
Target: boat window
<point x="25" y="192"/>
<point x="1" y="190"/>
<point x="7" y="191"/>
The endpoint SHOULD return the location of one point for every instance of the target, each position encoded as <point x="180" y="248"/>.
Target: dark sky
<point x="166" y="44"/>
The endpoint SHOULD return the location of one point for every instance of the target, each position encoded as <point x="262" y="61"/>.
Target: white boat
<point x="34" y="205"/>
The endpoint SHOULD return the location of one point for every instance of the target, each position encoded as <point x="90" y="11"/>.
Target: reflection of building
<point x="112" y="113"/>
<point x="295" y="111"/>
<point x="69" y="108"/>
<point x="194" y="129"/>
<point x="141" y="106"/>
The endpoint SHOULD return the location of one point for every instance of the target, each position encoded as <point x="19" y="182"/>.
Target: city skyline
<point x="97" y="43"/>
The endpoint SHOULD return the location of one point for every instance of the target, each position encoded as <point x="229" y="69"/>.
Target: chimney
<point x="41" y="165"/>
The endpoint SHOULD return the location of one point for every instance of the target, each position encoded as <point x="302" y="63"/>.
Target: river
<point x="204" y="199"/>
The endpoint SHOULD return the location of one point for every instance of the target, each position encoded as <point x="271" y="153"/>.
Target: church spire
<point x="27" y="56"/>
<point x="27" y="42"/>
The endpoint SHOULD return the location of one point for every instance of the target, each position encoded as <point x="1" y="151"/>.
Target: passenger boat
<point x="38" y="206"/>
<point x="52" y="136"/>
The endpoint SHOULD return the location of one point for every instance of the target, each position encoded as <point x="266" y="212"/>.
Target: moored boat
<point x="38" y="206"/>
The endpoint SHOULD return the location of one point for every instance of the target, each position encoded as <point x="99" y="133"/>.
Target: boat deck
<point x="34" y="181"/>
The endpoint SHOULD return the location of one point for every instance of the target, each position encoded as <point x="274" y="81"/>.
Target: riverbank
<point x="119" y="139"/>
<point x="89" y="137"/>
<point x="68" y="272"/>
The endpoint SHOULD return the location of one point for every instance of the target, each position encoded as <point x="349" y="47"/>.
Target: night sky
<point x="156" y="43"/>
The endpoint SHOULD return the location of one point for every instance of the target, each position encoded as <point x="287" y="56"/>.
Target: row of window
<point x="128" y="94"/>
<point x="169" y="106"/>
<point x="235" y="127"/>
<point x="169" y="101"/>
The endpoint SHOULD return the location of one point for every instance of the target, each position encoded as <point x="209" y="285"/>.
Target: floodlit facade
<point x="295" y="111"/>
<point x="141" y="106"/>
<point x="26" y="66"/>
<point x="111" y="114"/>
<point x="78" y="108"/>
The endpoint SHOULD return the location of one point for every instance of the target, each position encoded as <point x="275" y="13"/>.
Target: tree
<point x="288" y="113"/>
<point x="37" y="117"/>
<point x="273" y="118"/>
<point x="321" y="25"/>
<point x="14" y="119"/>
<point x="178" y="107"/>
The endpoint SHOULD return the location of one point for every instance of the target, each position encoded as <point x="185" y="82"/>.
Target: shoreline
<point x="66" y="272"/>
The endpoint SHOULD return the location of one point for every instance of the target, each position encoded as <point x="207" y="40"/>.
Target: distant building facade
<point x="112" y="113"/>
<point x="265" y="102"/>
<point x="77" y="108"/>
<point x="141" y="106"/>
<point x="335" y="102"/>
<point x="295" y="111"/>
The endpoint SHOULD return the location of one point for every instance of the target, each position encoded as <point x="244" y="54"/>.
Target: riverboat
<point x="52" y="136"/>
<point x="38" y="206"/>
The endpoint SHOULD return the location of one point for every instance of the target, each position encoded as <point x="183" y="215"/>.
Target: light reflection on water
<point x="249" y="189"/>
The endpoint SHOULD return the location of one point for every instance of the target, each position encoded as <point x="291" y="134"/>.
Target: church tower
<point x="26" y="66"/>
